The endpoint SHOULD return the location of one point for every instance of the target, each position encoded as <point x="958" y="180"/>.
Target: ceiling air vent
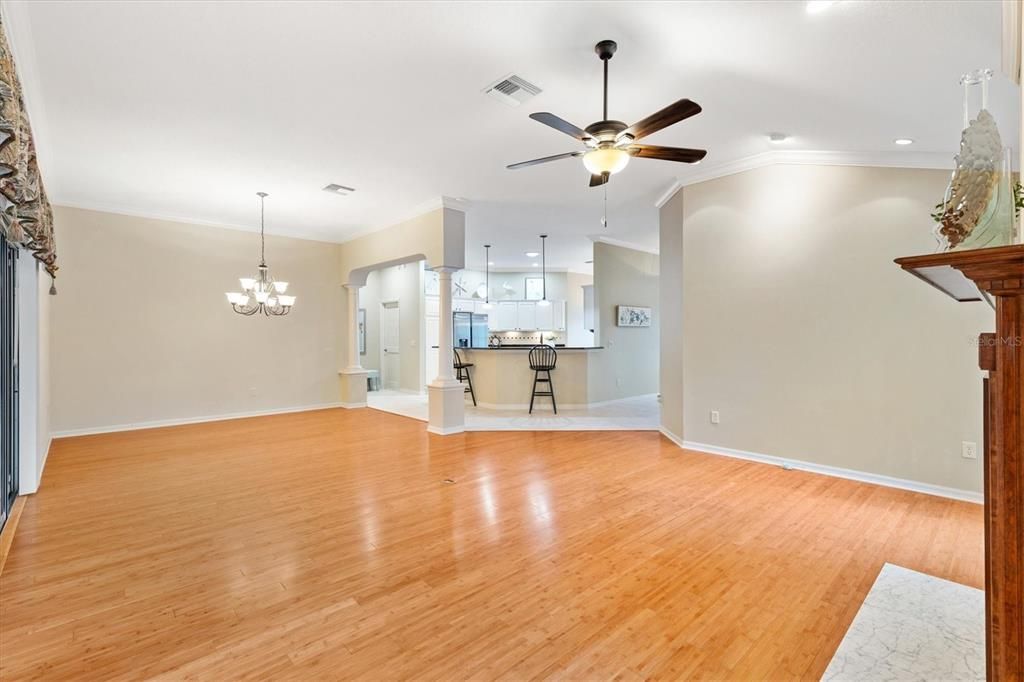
<point x="512" y="90"/>
<point x="338" y="189"/>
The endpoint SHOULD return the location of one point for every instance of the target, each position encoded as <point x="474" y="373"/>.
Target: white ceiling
<point x="187" y="109"/>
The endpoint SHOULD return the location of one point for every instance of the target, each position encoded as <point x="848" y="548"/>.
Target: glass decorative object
<point x="978" y="208"/>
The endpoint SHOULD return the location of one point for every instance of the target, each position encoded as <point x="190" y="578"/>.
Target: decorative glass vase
<point x="978" y="208"/>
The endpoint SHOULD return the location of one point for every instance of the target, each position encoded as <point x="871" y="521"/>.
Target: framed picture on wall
<point x="534" y="288"/>
<point x="362" y="331"/>
<point x="633" y="316"/>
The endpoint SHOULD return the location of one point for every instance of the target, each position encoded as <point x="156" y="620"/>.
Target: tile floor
<point x="630" y="414"/>
<point x="914" y="626"/>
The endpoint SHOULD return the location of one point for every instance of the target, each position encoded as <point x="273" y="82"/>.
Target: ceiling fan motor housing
<point x="605" y="131"/>
<point x="605" y="49"/>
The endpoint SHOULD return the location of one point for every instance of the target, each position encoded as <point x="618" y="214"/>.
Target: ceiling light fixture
<point x="543" y="272"/>
<point x="819" y="6"/>
<point x="334" y="188"/>
<point x="777" y="138"/>
<point x="605" y="160"/>
<point x="487" y="278"/>
<point x="267" y="296"/>
<point x="903" y="141"/>
<point x="532" y="254"/>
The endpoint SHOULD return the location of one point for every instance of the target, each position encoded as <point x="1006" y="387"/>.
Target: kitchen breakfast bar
<point x="502" y="377"/>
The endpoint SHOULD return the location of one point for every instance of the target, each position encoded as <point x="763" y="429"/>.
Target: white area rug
<point x="914" y="626"/>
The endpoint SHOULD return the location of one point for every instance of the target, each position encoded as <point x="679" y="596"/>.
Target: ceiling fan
<point x="611" y="143"/>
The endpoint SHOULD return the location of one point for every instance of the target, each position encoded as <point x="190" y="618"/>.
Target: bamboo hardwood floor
<point x="326" y="545"/>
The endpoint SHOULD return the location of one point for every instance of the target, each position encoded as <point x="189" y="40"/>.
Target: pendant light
<point x="487" y="277"/>
<point x="543" y="272"/>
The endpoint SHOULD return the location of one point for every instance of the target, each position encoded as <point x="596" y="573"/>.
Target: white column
<point x="446" y="395"/>
<point x="446" y="332"/>
<point x="353" y="327"/>
<point x="353" y="377"/>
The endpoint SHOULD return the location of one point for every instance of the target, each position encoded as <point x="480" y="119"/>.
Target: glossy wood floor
<point x="327" y="545"/>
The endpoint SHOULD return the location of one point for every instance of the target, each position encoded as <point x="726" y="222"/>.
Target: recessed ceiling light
<point x="819" y="6"/>
<point x="776" y="138"/>
<point x="536" y="265"/>
<point x="903" y="141"/>
<point x="532" y="254"/>
<point x="490" y="262"/>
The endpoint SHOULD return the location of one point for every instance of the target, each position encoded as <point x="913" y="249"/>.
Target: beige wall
<point x="141" y="330"/>
<point x="806" y="337"/>
<point x="670" y="305"/>
<point x="629" y="363"/>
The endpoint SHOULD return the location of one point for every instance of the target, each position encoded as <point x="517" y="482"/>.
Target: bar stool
<point x="543" y="359"/>
<point x="462" y="372"/>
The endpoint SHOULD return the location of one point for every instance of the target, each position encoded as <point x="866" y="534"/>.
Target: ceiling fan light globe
<point x="607" y="160"/>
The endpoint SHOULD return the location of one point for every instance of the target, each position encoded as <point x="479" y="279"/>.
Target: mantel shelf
<point x="963" y="275"/>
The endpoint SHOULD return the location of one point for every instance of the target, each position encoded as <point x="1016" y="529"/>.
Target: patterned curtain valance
<point x="25" y="215"/>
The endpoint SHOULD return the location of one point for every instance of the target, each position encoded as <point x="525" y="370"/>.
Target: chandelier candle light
<point x="261" y="294"/>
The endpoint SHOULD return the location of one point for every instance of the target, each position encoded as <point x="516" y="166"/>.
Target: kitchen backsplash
<point x="528" y="338"/>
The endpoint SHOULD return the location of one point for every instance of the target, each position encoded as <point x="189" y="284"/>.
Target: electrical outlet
<point x="969" y="450"/>
<point x="714" y="417"/>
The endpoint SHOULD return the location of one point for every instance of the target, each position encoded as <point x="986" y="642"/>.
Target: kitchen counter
<point x="503" y="379"/>
<point x="557" y="348"/>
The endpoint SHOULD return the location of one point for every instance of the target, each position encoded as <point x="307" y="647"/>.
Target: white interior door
<point x="390" y="345"/>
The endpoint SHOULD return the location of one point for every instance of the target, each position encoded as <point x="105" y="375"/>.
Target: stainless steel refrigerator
<point x="470" y="330"/>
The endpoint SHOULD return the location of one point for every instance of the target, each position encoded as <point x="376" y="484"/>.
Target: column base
<point x="353" y="387"/>
<point x="447" y="411"/>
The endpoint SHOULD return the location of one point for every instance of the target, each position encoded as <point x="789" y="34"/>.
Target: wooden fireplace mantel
<point x="998" y="272"/>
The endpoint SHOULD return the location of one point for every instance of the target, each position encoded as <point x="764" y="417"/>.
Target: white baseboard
<point x="42" y="463"/>
<point x="188" y="420"/>
<point x="671" y="436"/>
<point x="351" y="406"/>
<point x="825" y="470"/>
<point x="445" y="432"/>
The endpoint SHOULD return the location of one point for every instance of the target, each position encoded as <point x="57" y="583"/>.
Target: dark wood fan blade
<point x="560" y="125"/>
<point x="534" y="162"/>
<point x="673" y="113"/>
<point x="598" y="180"/>
<point x="647" y="151"/>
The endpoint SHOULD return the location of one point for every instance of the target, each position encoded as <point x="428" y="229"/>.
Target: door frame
<point x="394" y="303"/>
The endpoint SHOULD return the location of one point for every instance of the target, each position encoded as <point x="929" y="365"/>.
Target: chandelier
<point x="261" y="294"/>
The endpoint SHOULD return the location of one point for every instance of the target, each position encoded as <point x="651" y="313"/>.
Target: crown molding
<point x="927" y="160"/>
<point x="622" y="243"/>
<point x="186" y="220"/>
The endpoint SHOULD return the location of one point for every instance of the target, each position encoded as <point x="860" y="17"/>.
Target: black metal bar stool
<point x="543" y="359"/>
<point x="462" y="373"/>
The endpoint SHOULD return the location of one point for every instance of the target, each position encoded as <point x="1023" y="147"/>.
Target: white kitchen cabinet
<point x="546" y="316"/>
<point x="526" y="315"/>
<point x="462" y="305"/>
<point x="558" y="315"/>
<point x="479" y="309"/>
<point x="589" y="308"/>
<point x="506" y="317"/>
